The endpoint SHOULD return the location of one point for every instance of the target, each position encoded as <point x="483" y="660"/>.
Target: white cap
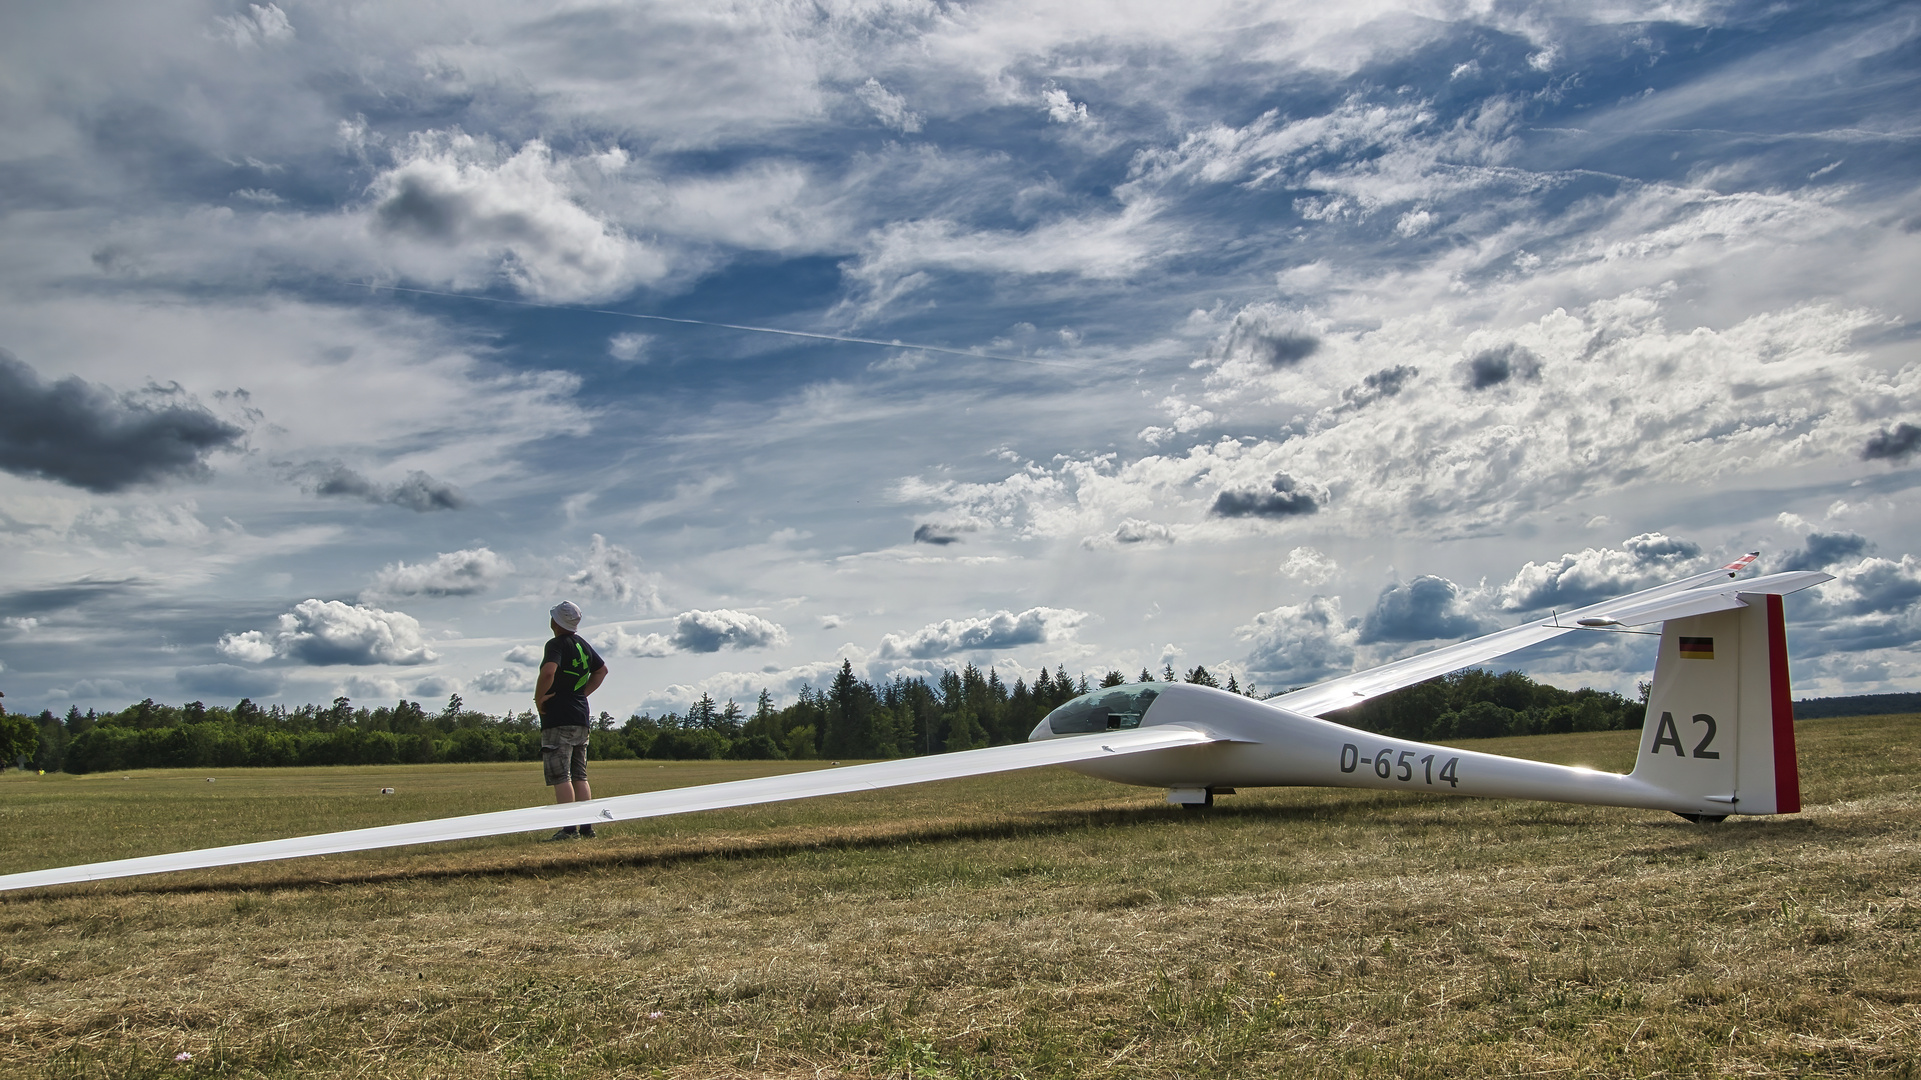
<point x="566" y="615"/>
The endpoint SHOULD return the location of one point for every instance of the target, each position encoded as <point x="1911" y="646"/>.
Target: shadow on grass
<point x="1334" y="807"/>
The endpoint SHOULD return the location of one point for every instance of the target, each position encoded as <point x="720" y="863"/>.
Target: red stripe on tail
<point x="1787" y="767"/>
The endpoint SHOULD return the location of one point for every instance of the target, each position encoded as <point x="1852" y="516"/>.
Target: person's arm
<point x="545" y="687"/>
<point x="593" y="684"/>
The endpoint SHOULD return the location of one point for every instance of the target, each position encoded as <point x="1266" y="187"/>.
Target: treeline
<point x="850" y="718"/>
<point x="1478" y="704"/>
<point x="148" y="735"/>
<point x="1858" y="705"/>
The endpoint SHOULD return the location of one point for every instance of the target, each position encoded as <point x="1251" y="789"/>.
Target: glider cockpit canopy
<point x="1113" y="708"/>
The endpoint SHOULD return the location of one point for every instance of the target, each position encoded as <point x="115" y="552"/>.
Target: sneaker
<point x="567" y="833"/>
<point x="587" y="832"/>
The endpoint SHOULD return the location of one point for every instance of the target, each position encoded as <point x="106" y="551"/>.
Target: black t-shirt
<point x="575" y="663"/>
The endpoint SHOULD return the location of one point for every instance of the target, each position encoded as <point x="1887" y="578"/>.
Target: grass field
<point x="1038" y="925"/>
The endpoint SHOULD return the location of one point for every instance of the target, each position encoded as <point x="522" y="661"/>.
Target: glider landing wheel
<point x="1705" y="819"/>
<point x="1208" y="801"/>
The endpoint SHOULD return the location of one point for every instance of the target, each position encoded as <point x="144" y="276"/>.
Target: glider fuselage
<point x="1265" y="746"/>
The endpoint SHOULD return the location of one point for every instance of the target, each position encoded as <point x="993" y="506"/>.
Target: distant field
<point x="1038" y="924"/>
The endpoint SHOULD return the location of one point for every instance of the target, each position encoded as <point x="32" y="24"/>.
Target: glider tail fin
<point x="1720" y="720"/>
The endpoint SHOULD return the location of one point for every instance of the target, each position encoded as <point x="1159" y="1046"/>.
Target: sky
<point x="338" y="342"/>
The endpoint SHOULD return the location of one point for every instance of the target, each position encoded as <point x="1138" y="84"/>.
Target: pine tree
<point x="704" y="714"/>
<point x="964" y="730"/>
<point x="1022" y="711"/>
<point x="851" y="705"/>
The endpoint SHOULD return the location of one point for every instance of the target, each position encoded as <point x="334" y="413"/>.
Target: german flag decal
<point x="1697" y="648"/>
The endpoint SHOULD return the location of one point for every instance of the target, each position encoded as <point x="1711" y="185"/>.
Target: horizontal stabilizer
<point x="1699" y="601"/>
<point x="766" y="789"/>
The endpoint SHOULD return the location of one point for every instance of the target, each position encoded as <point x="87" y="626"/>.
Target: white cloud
<point x="258" y="25"/>
<point x="1361" y="155"/>
<point x="115" y="690"/>
<point x="1594" y="574"/>
<point x="1874" y="586"/>
<point x="460" y="210"/>
<point x="630" y="347"/>
<point x="253" y="646"/>
<point x="504" y="681"/>
<point x="1426" y="608"/>
<point x="1414" y="223"/>
<point x="371" y="688"/>
<point x="436" y="686"/>
<point x="711" y="631"/>
<point x="332" y="632"/>
<point x="1309" y="566"/>
<point x="611" y="572"/>
<point x="1136" y="531"/>
<point x="744" y="687"/>
<point x="1001" y="630"/>
<point x="889" y="107"/>
<point x="451" y="573"/>
<point x="1863" y="627"/>
<point x="1297" y="644"/>
<point x="1605" y="413"/>
<point x="1062" y="109"/>
<point x="1133" y="531"/>
<point x="527" y="655"/>
<point x="618" y="641"/>
<point x="1100" y="245"/>
<point x="1187" y="416"/>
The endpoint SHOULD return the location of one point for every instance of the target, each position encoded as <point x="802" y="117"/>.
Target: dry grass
<point x="1032" y="925"/>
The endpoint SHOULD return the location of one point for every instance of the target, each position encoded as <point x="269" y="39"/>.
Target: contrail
<point x="895" y="344"/>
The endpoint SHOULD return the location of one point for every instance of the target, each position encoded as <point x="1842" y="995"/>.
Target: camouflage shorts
<point x="563" y="753"/>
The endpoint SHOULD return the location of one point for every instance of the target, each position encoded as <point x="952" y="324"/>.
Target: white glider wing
<point x="1697" y="595"/>
<point x="1630" y="611"/>
<point x="766" y="789"/>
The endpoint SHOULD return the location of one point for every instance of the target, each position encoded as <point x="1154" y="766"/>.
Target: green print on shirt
<point x="584" y="673"/>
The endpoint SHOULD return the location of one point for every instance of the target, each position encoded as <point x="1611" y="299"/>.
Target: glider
<point x="1718" y="740"/>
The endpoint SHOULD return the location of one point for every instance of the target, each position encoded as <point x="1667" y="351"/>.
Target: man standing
<point x="569" y="671"/>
